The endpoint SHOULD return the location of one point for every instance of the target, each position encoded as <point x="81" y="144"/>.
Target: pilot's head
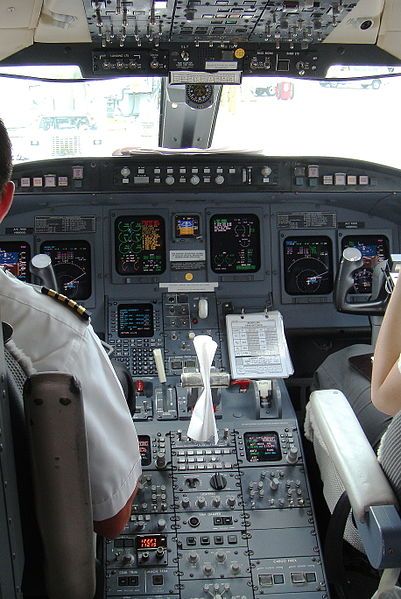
<point x="6" y="186"/>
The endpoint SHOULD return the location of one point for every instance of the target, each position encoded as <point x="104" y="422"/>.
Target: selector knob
<point x="193" y="557"/>
<point x="127" y="559"/>
<point x="195" y="180"/>
<point x="216" y="501"/>
<point x="274" y="484"/>
<point x="219" y="180"/>
<point x="169" y="180"/>
<point x="145" y="556"/>
<point x="161" y="524"/>
<point x="266" y="171"/>
<point x="221" y="556"/>
<point x="185" y="502"/>
<point x="235" y="568"/>
<point x="201" y="502"/>
<point x="218" y="481"/>
<point x="207" y="569"/>
<point x="292" y="455"/>
<point x="160" y="552"/>
<point x="160" y="459"/>
<point x="231" y="501"/>
<point x="179" y="434"/>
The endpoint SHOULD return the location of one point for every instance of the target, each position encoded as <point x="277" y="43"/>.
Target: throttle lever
<point x="41" y="267"/>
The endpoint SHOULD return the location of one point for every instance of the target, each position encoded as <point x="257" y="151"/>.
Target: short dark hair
<point x="5" y="156"/>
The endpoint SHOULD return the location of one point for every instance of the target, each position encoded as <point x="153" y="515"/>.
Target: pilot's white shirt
<point x="55" y="338"/>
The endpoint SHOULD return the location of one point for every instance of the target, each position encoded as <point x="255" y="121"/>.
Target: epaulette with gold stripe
<point x="79" y="310"/>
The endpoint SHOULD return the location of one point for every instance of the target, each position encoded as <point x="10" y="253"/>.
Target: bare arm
<point x="386" y="377"/>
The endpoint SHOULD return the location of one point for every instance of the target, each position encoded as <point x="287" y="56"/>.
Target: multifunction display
<point x="308" y="265"/>
<point x="374" y="249"/>
<point x="262" y="447"/>
<point x="135" y="320"/>
<point x="15" y="257"/>
<point x="140" y="245"/>
<point x="235" y="243"/>
<point x="71" y="262"/>
<point x="186" y="225"/>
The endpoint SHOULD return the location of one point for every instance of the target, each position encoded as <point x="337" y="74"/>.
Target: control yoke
<point x="351" y="261"/>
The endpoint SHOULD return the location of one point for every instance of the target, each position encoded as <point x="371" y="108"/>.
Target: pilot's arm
<point x="114" y="458"/>
<point x="386" y="375"/>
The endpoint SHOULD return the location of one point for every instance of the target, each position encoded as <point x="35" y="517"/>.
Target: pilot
<point x="54" y="337"/>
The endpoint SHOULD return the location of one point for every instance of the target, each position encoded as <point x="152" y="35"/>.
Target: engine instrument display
<point x="186" y="225"/>
<point x="15" y="257"/>
<point x="72" y="266"/>
<point x="135" y="320"/>
<point x="140" y="244"/>
<point x="145" y="449"/>
<point x="308" y="265"/>
<point x="262" y="447"/>
<point x="235" y="243"/>
<point x="374" y="249"/>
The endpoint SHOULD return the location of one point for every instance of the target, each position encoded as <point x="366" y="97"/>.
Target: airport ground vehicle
<point x="211" y="235"/>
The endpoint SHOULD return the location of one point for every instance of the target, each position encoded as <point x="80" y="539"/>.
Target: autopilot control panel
<point x="162" y="248"/>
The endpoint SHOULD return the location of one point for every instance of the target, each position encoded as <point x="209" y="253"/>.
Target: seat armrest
<point x="352" y="455"/>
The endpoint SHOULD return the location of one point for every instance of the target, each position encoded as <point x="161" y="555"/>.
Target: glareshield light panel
<point x="374" y="249"/>
<point x="235" y="243"/>
<point x="308" y="265"/>
<point x="71" y="262"/>
<point x="15" y="257"/>
<point x="140" y="245"/>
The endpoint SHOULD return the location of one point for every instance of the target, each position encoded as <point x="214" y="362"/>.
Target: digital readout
<point x="140" y="245"/>
<point x="145" y="449"/>
<point x="186" y="225"/>
<point x="374" y="249"/>
<point x="151" y="541"/>
<point x="71" y="262"/>
<point x="262" y="447"/>
<point x="308" y="265"/>
<point x="135" y="320"/>
<point x="15" y="257"/>
<point x="235" y="243"/>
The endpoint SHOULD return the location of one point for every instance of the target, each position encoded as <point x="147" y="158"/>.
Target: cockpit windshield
<point x="348" y="118"/>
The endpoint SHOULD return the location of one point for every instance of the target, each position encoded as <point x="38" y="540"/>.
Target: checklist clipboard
<point x="257" y="346"/>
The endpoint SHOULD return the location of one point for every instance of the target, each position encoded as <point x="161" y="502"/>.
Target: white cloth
<point x="55" y="338"/>
<point x="202" y="426"/>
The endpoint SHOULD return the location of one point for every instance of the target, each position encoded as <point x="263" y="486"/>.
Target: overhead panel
<point x="119" y="23"/>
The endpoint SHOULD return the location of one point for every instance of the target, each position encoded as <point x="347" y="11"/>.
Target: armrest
<point x="352" y="455"/>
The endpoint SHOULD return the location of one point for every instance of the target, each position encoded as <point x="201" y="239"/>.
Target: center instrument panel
<point x="162" y="248"/>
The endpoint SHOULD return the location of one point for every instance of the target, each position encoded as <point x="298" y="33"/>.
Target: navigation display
<point x="15" y="257"/>
<point x="308" y="265"/>
<point x="374" y="249"/>
<point x="71" y="261"/>
<point x="262" y="447"/>
<point x="186" y="225"/>
<point x="135" y="320"/>
<point x="235" y="243"/>
<point x="140" y="245"/>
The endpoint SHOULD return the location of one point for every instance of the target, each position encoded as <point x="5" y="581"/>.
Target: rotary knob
<point x="231" y="501"/>
<point x="221" y="556"/>
<point x="185" y="502"/>
<point x="292" y="455"/>
<point x="169" y="180"/>
<point x="216" y="501"/>
<point x="274" y="484"/>
<point x="160" y="552"/>
<point x="218" y="481"/>
<point x="128" y="559"/>
<point x="207" y="569"/>
<point x="195" y="180"/>
<point x="219" y="180"/>
<point x="160" y="459"/>
<point x="201" y="502"/>
<point x="235" y="568"/>
<point x="266" y="171"/>
<point x="161" y="524"/>
<point x="193" y="557"/>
